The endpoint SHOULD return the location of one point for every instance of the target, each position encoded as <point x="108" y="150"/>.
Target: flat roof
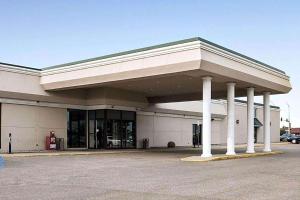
<point x="257" y="104"/>
<point x="160" y="46"/>
<point x="19" y="66"/>
<point x="146" y="49"/>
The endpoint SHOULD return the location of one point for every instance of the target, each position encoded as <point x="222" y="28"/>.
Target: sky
<point x="38" y="33"/>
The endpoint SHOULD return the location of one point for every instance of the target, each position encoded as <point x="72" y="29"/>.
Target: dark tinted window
<point x="76" y="128"/>
<point x="100" y="114"/>
<point x="113" y="114"/>
<point x="92" y="114"/>
<point x="127" y="115"/>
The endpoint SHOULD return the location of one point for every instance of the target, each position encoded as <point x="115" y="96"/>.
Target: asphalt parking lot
<point x="151" y="175"/>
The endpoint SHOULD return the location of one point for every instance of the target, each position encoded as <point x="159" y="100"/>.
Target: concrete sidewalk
<point x="218" y="148"/>
<point x="228" y="157"/>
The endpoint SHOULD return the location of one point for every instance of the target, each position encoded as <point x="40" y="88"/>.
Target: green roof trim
<point x="20" y="66"/>
<point x="257" y="104"/>
<point x="160" y="46"/>
<point x="124" y="53"/>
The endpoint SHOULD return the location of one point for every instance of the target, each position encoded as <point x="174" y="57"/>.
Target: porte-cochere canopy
<point x="169" y="72"/>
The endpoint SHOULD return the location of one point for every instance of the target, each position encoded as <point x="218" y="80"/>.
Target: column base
<point x="230" y="154"/>
<point x="206" y="155"/>
<point x="267" y="150"/>
<point x="250" y="151"/>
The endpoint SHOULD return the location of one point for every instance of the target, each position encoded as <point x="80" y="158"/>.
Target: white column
<point x="230" y="118"/>
<point x="267" y="122"/>
<point x="250" y="120"/>
<point x="206" y="126"/>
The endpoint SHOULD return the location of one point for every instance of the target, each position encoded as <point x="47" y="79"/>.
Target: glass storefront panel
<point x="92" y="134"/>
<point x="100" y="114"/>
<point x="100" y="133"/>
<point x="128" y="115"/>
<point x="112" y="129"/>
<point x="76" y="128"/>
<point x="113" y="114"/>
<point x="113" y="134"/>
<point x="129" y="134"/>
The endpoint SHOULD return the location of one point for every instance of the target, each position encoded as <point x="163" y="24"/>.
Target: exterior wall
<point x="241" y="127"/>
<point x="112" y="96"/>
<point x="275" y="125"/>
<point x="161" y="128"/>
<point x="191" y="107"/>
<point x="218" y="132"/>
<point x="29" y="126"/>
<point x="21" y="85"/>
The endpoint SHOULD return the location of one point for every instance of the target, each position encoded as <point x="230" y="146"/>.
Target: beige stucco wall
<point x="161" y="128"/>
<point x="113" y="96"/>
<point x="241" y="127"/>
<point x="17" y="85"/>
<point x="275" y="125"/>
<point x="29" y="126"/>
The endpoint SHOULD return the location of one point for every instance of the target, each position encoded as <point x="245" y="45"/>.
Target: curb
<point x="226" y="157"/>
<point x="63" y="154"/>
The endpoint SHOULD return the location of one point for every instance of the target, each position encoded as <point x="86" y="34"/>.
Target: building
<point x="162" y="92"/>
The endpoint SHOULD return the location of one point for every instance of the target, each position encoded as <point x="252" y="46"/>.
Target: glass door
<point x="197" y="135"/>
<point x="128" y="129"/>
<point x="113" y="134"/>
<point x="92" y="130"/>
<point x="128" y="134"/>
<point x="111" y="129"/>
<point x="96" y="129"/>
<point x="76" y="128"/>
<point x="100" y="134"/>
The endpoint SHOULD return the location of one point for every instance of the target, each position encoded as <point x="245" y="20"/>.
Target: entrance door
<point x="111" y="129"/>
<point x="113" y="134"/>
<point x="96" y="129"/>
<point x="76" y="128"/>
<point x="100" y="134"/>
<point x="197" y="135"/>
<point x="255" y="135"/>
<point x="128" y="134"/>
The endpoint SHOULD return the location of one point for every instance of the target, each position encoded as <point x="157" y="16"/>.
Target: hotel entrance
<point x="111" y="129"/>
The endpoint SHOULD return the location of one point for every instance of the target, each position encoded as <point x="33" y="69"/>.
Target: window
<point x="197" y="135"/>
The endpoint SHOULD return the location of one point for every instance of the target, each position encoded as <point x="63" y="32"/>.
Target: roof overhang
<point x="170" y="72"/>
